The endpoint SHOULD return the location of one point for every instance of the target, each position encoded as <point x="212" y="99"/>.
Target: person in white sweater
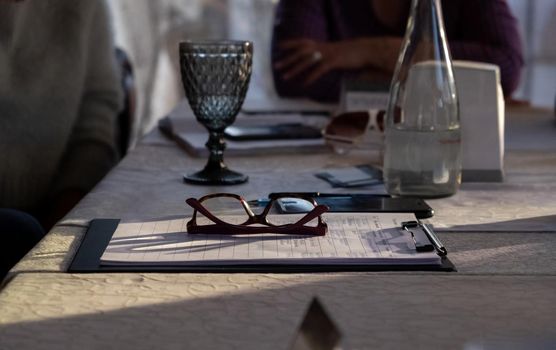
<point x="59" y="99"/>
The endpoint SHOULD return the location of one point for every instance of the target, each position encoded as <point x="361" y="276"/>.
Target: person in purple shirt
<point x="317" y="43"/>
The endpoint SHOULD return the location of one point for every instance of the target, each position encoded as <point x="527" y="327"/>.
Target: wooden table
<point x="501" y="237"/>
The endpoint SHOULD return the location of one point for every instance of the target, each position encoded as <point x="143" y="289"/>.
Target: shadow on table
<point x="181" y="242"/>
<point x="525" y="225"/>
<point x="524" y="246"/>
<point x="264" y="311"/>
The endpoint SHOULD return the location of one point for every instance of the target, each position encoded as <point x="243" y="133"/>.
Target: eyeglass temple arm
<point x="316" y="212"/>
<point x="194" y="203"/>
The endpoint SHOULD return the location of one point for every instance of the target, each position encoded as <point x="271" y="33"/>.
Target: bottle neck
<point x="426" y="10"/>
<point x="426" y="30"/>
<point x="423" y="93"/>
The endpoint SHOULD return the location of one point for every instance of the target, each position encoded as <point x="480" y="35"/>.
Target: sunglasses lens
<point x="348" y="126"/>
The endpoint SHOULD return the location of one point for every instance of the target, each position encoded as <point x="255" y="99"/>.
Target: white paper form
<point x="352" y="239"/>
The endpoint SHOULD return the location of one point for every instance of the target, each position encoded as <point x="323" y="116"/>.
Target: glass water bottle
<point x="422" y="155"/>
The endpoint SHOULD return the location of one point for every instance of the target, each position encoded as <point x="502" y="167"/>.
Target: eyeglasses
<point x="257" y="223"/>
<point x="352" y="128"/>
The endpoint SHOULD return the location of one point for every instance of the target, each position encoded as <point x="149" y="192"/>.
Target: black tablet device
<point x="271" y="132"/>
<point x="361" y="203"/>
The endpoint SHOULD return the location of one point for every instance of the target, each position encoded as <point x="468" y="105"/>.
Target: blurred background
<point x="149" y="31"/>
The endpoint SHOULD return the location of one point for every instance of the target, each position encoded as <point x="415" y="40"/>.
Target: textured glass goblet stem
<point x="216" y="145"/>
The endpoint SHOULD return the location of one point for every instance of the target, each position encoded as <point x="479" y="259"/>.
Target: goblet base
<point x="216" y="177"/>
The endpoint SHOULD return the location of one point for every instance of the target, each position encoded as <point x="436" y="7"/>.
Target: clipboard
<point x="100" y="231"/>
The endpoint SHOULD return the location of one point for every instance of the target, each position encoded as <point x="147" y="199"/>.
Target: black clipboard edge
<point x="97" y="237"/>
<point x="95" y="241"/>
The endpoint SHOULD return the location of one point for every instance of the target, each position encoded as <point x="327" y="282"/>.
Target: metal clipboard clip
<point x="424" y="237"/>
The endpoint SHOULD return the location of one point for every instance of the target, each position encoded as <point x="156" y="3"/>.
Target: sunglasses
<point x="351" y="129"/>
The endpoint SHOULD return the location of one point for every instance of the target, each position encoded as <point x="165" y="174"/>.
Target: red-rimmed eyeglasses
<point x="267" y="221"/>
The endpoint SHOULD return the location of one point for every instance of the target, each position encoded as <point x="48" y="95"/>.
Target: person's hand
<point x="318" y="58"/>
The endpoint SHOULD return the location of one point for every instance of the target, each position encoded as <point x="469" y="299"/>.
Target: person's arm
<point x="307" y="63"/>
<point x="297" y="19"/>
<point x="490" y="34"/>
<point x="379" y="53"/>
<point x="91" y="149"/>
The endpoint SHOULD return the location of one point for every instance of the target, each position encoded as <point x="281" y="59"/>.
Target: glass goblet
<point x="215" y="76"/>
